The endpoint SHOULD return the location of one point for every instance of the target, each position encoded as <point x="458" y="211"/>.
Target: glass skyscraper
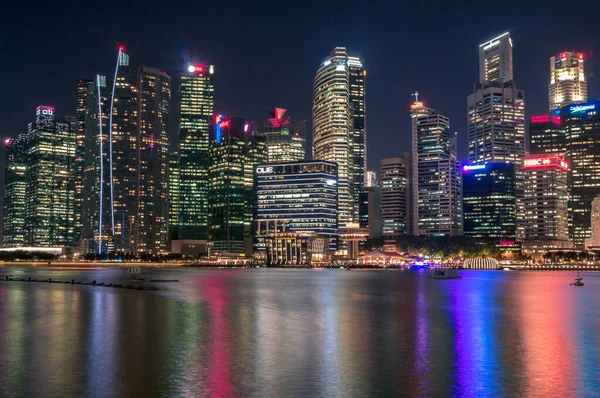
<point x="15" y="185"/>
<point x="395" y="194"/>
<point x="286" y="138"/>
<point x="196" y="111"/>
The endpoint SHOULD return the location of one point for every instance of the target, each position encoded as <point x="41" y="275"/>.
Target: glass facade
<point x="395" y="192"/>
<point x="234" y="152"/>
<point x="196" y="111"/>
<point x="15" y="184"/>
<point x="582" y="127"/>
<point x="489" y="201"/>
<point x="174" y="204"/>
<point x="297" y="196"/>
<point x="546" y="136"/>
<point x="286" y="138"/>
<point x="83" y="87"/>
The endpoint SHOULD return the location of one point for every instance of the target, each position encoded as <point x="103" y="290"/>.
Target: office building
<point x="50" y="185"/>
<point x="374" y="211"/>
<point x="128" y="130"/>
<point x="496" y="109"/>
<point x="545" y="202"/>
<point x="286" y="138"/>
<point x="234" y="152"/>
<point x="394" y="196"/>
<point x="83" y="87"/>
<point x="489" y="201"/>
<point x="339" y="133"/>
<point x="593" y="242"/>
<point x="546" y="136"/>
<point x="436" y="180"/>
<point x="582" y="128"/>
<point x="15" y="185"/>
<point x="174" y="195"/>
<point x="371" y="178"/>
<point x="567" y="80"/>
<point x="196" y="112"/>
<point x="301" y="248"/>
<point x="297" y="196"/>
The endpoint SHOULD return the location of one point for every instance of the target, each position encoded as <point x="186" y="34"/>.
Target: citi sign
<point x="44" y="110"/>
<point x="264" y="170"/>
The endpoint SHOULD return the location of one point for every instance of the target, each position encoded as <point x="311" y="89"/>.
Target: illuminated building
<point x="352" y="237"/>
<point x="489" y="201"/>
<point x="296" y="248"/>
<point x="49" y="194"/>
<point x="545" y="203"/>
<point x="83" y="86"/>
<point x="365" y="211"/>
<point x="174" y="204"/>
<point x="496" y="110"/>
<point x="593" y="242"/>
<point x="567" y="80"/>
<point x="436" y="181"/>
<point x="395" y="192"/>
<point x="297" y="196"/>
<point x="126" y="173"/>
<point x="339" y="126"/>
<point x="374" y="211"/>
<point x="15" y="183"/>
<point x="234" y="152"/>
<point x="546" y="136"/>
<point x="196" y="111"/>
<point x="582" y="127"/>
<point x="371" y="178"/>
<point x="286" y="138"/>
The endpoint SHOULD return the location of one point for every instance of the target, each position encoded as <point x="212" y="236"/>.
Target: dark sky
<point x="266" y="54"/>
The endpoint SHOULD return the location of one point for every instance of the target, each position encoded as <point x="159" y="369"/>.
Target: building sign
<point x="474" y="167"/>
<point x="264" y="170"/>
<point x="542" y="162"/>
<point x="540" y="119"/>
<point x="582" y="108"/>
<point x="44" y="110"/>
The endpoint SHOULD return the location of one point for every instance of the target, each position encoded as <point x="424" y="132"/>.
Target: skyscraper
<point x="234" y="152"/>
<point x="196" y="110"/>
<point x="436" y="179"/>
<point x="339" y="126"/>
<point x="582" y="127"/>
<point x="174" y="204"/>
<point x="395" y="192"/>
<point x="15" y="185"/>
<point x="496" y="110"/>
<point x="83" y="87"/>
<point x="546" y="136"/>
<point x="127" y="165"/>
<point x="49" y="194"/>
<point x="567" y="80"/>
<point x="545" y="203"/>
<point x="286" y="138"/>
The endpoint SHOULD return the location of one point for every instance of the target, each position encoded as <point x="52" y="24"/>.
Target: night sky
<point x="266" y="54"/>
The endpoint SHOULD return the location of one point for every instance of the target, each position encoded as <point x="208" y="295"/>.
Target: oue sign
<point x="264" y="170"/>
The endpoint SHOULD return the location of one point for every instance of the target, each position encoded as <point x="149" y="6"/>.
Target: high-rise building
<point x="496" y="110"/>
<point x="582" y="127"/>
<point x="15" y="185"/>
<point x="234" y="152"/>
<point x="567" y="80"/>
<point x="395" y="192"/>
<point x="496" y="60"/>
<point x="196" y="112"/>
<point x="286" y="138"/>
<point x="546" y="136"/>
<point x="371" y="178"/>
<point x="339" y="126"/>
<point x="49" y="195"/>
<point x="545" y="203"/>
<point x="127" y="145"/>
<point x="374" y="211"/>
<point x="436" y="179"/>
<point x="83" y="87"/>
<point x="297" y="196"/>
<point x="593" y="243"/>
<point x="489" y="201"/>
<point x="174" y="204"/>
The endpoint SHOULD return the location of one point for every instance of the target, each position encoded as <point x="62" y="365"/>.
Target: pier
<point x="7" y="278"/>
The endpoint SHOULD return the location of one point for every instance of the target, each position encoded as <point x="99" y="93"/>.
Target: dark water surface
<point x="301" y="333"/>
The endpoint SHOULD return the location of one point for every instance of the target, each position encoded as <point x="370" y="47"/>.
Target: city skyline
<point x="389" y="89"/>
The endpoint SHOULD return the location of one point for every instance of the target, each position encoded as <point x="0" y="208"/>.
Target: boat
<point x="578" y="281"/>
<point x="136" y="274"/>
<point x="443" y="273"/>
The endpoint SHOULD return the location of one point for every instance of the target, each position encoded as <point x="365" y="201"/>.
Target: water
<point x="301" y="333"/>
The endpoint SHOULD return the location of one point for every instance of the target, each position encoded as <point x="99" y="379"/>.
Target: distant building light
<point x="540" y="119"/>
<point x="326" y="63"/>
<point x="473" y="167"/>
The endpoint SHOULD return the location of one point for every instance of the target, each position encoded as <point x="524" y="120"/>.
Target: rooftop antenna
<point x="416" y="95"/>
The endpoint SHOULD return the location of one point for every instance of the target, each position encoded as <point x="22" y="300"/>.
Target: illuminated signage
<point x="195" y="68"/>
<point x="218" y="120"/>
<point x="543" y="162"/>
<point x="326" y="63"/>
<point x="540" y="119"/>
<point x="556" y="120"/>
<point x="490" y="45"/>
<point x="474" y="167"/>
<point x="44" y="110"/>
<point x="264" y="170"/>
<point x="582" y="108"/>
<point x="507" y="243"/>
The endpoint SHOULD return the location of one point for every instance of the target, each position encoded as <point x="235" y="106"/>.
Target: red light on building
<point x="224" y="123"/>
<point x="581" y="56"/>
<point x="7" y="141"/>
<point x="196" y="69"/>
<point x="532" y="163"/>
<point x="507" y="243"/>
<point x="540" y="119"/>
<point x="556" y="120"/>
<point x="563" y="55"/>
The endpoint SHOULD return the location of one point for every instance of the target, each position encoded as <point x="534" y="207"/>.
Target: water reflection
<point x="302" y="333"/>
